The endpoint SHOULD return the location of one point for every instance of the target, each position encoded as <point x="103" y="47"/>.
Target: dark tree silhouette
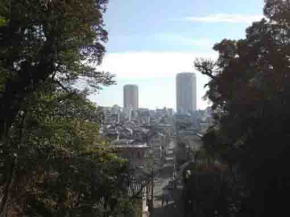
<point x="250" y="91"/>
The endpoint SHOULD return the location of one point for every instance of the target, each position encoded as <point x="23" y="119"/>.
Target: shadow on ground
<point x="173" y="208"/>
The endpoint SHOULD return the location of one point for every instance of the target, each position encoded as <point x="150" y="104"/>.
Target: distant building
<point x="131" y="97"/>
<point x="185" y="92"/>
<point x="134" y="153"/>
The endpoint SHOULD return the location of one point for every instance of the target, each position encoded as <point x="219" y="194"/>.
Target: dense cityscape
<point x="158" y="144"/>
<point x="69" y="147"/>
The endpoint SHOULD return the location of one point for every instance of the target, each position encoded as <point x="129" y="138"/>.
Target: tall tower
<point x="131" y="96"/>
<point x="185" y="92"/>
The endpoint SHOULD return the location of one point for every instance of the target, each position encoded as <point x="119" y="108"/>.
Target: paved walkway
<point x="174" y="208"/>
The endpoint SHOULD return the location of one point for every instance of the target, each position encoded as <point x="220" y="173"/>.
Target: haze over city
<point x="150" y="43"/>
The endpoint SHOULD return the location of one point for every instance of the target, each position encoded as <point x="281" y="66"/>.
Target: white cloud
<point x="225" y="18"/>
<point x="151" y="64"/>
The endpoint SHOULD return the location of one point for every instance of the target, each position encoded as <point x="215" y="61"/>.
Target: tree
<point x="61" y="166"/>
<point x="250" y="91"/>
<point x="47" y="39"/>
<point x="53" y="160"/>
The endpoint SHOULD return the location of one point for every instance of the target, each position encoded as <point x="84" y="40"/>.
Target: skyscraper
<point x="131" y="96"/>
<point x="185" y="92"/>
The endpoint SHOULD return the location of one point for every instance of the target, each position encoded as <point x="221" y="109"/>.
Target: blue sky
<point x="151" y="41"/>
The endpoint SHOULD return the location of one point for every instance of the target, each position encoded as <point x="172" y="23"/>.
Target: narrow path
<point x="174" y="208"/>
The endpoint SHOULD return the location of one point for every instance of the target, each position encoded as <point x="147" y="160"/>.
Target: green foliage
<point x="3" y="21"/>
<point x="53" y="161"/>
<point x="59" y="40"/>
<point x="250" y="89"/>
<point x="63" y="167"/>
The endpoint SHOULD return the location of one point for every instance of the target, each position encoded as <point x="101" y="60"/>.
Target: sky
<point x="151" y="41"/>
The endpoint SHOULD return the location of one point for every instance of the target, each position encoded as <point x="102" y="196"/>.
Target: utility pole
<point x="152" y="192"/>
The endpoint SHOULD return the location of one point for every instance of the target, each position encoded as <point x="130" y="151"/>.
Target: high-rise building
<point x="185" y="92"/>
<point x="131" y="96"/>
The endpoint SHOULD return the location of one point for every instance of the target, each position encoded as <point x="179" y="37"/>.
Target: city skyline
<point x="150" y="50"/>
<point x="185" y="94"/>
<point x="146" y="89"/>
